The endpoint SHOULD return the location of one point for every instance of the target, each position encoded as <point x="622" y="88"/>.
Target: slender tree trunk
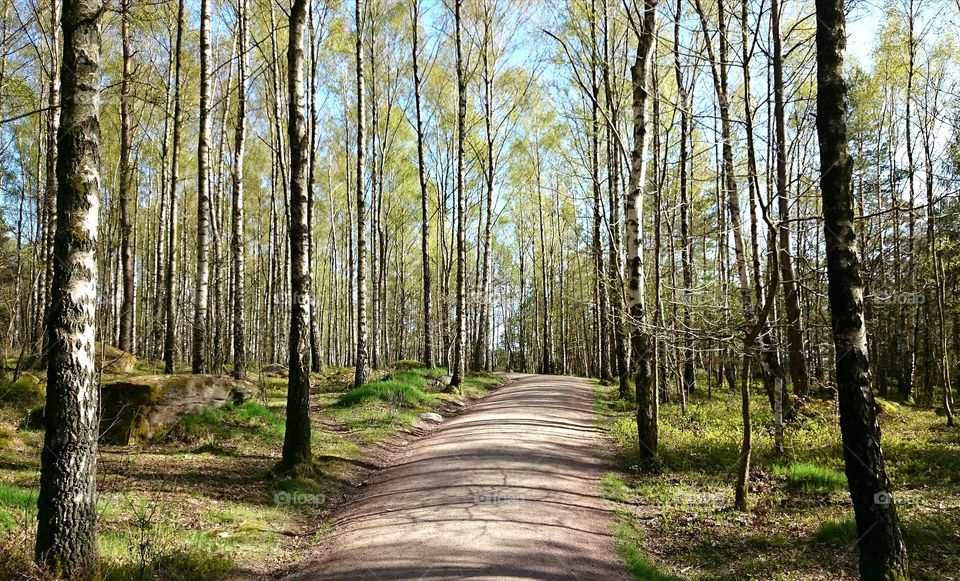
<point x="619" y="352"/>
<point x="482" y="348"/>
<point x="315" y="361"/>
<point x="459" y="352"/>
<point x="67" y="502"/>
<point x="169" y="341"/>
<point x="360" y="375"/>
<point x="546" y="357"/>
<point x="199" y="360"/>
<point x="50" y="194"/>
<point x="640" y="340"/>
<point x="688" y="375"/>
<point x="791" y="295"/>
<point x="237" y="238"/>
<point x="125" y="336"/>
<point x="296" y="438"/>
<point x="600" y="332"/>
<point x="883" y="555"/>
<point x="428" y="355"/>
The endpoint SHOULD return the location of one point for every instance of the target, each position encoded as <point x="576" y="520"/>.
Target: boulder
<point x="407" y="365"/>
<point x="431" y="417"/>
<point x="274" y="369"/>
<point x="145" y="408"/>
<point x="114" y="361"/>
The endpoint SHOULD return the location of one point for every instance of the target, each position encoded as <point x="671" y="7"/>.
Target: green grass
<point x="641" y="567"/>
<point x="15" y="502"/>
<point x="800" y="525"/>
<point x="837" y="532"/>
<point x="393" y="392"/>
<point x="409" y="378"/>
<point x="248" y="419"/>
<point x="22" y="395"/>
<point x="615" y="489"/>
<point x="811" y="477"/>
<point x="478" y="385"/>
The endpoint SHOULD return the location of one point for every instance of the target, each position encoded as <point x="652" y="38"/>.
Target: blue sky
<point x="862" y="24"/>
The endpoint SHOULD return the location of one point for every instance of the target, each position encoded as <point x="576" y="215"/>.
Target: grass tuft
<point x="811" y="477"/>
<point x="389" y="391"/>
<point x="836" y="532"/>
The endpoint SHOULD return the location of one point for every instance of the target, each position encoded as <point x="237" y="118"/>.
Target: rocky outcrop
<point x="145" y="408"/>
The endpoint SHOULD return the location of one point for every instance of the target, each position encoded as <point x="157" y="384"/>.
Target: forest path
<point x="507" y="490"/>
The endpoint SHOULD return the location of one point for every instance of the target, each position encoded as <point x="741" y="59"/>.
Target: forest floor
<point x="678" y="522"/>
<point x="206" y="503"/>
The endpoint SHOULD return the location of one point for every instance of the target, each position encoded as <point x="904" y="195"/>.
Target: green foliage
<point x="392" y="392"/>
<point x="811" y="477"/>
<point x="21" y="395"/>
<point x="408" y="377"/>
<point x="249" y="418"/>
<point x="614" y="488"/>
<point x="837" y="532"/>
<point x="15" y="501"/>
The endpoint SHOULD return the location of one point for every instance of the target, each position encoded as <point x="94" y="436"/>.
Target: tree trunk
<point x="428" y="355"/>
<point x="613" y="193"/>
<point x="237" y="238"/>
<point x="315" y="361"/>
<point x="296" y="438"/>
<point x="640" y="340"/>
<point x="199" y="359"/>
<point x="50" y="206"/>
<point x="883" y="554"/>
<point x="791" y="294"/>
<point x="125" y="335"/>
<point x="600" y="333"/>
<point x="169" y="338"/>
<point x="360" y="374"/>
<point x="688" y="374"/>
<point x="67" y="502"/>
<point x="459" y="351"/>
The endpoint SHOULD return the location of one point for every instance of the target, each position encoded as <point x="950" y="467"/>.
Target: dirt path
<point x="508" y="490"/>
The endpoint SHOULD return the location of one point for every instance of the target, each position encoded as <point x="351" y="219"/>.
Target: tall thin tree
<point x="296" y="438"/>
<point x="883" y="554"/>
<point x="641" y="344"/>
<point x="360" y="360"/>
<point x="67" y="502"/>
<point x="199" y="360"/>
<point x="237" y="246"/>
<point x="459" y="348"/>
<point x="169" y="337"/>
<point x="125" y="334"/>
<point x="428" y="355"/>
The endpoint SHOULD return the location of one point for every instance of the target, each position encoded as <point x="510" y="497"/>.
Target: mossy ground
<point x="207" y="502"/>
<point x="679" y="520"/>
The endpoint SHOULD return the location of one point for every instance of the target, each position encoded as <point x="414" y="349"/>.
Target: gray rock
<point x="146" y="408"/>
<point x="431" y="417"/>
<point x="274" y="369"/>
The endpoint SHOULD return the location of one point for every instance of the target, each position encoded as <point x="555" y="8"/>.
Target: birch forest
<point x="256" y="255"/>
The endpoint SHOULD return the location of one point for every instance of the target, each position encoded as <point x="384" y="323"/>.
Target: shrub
<point x="389" y="391"/>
